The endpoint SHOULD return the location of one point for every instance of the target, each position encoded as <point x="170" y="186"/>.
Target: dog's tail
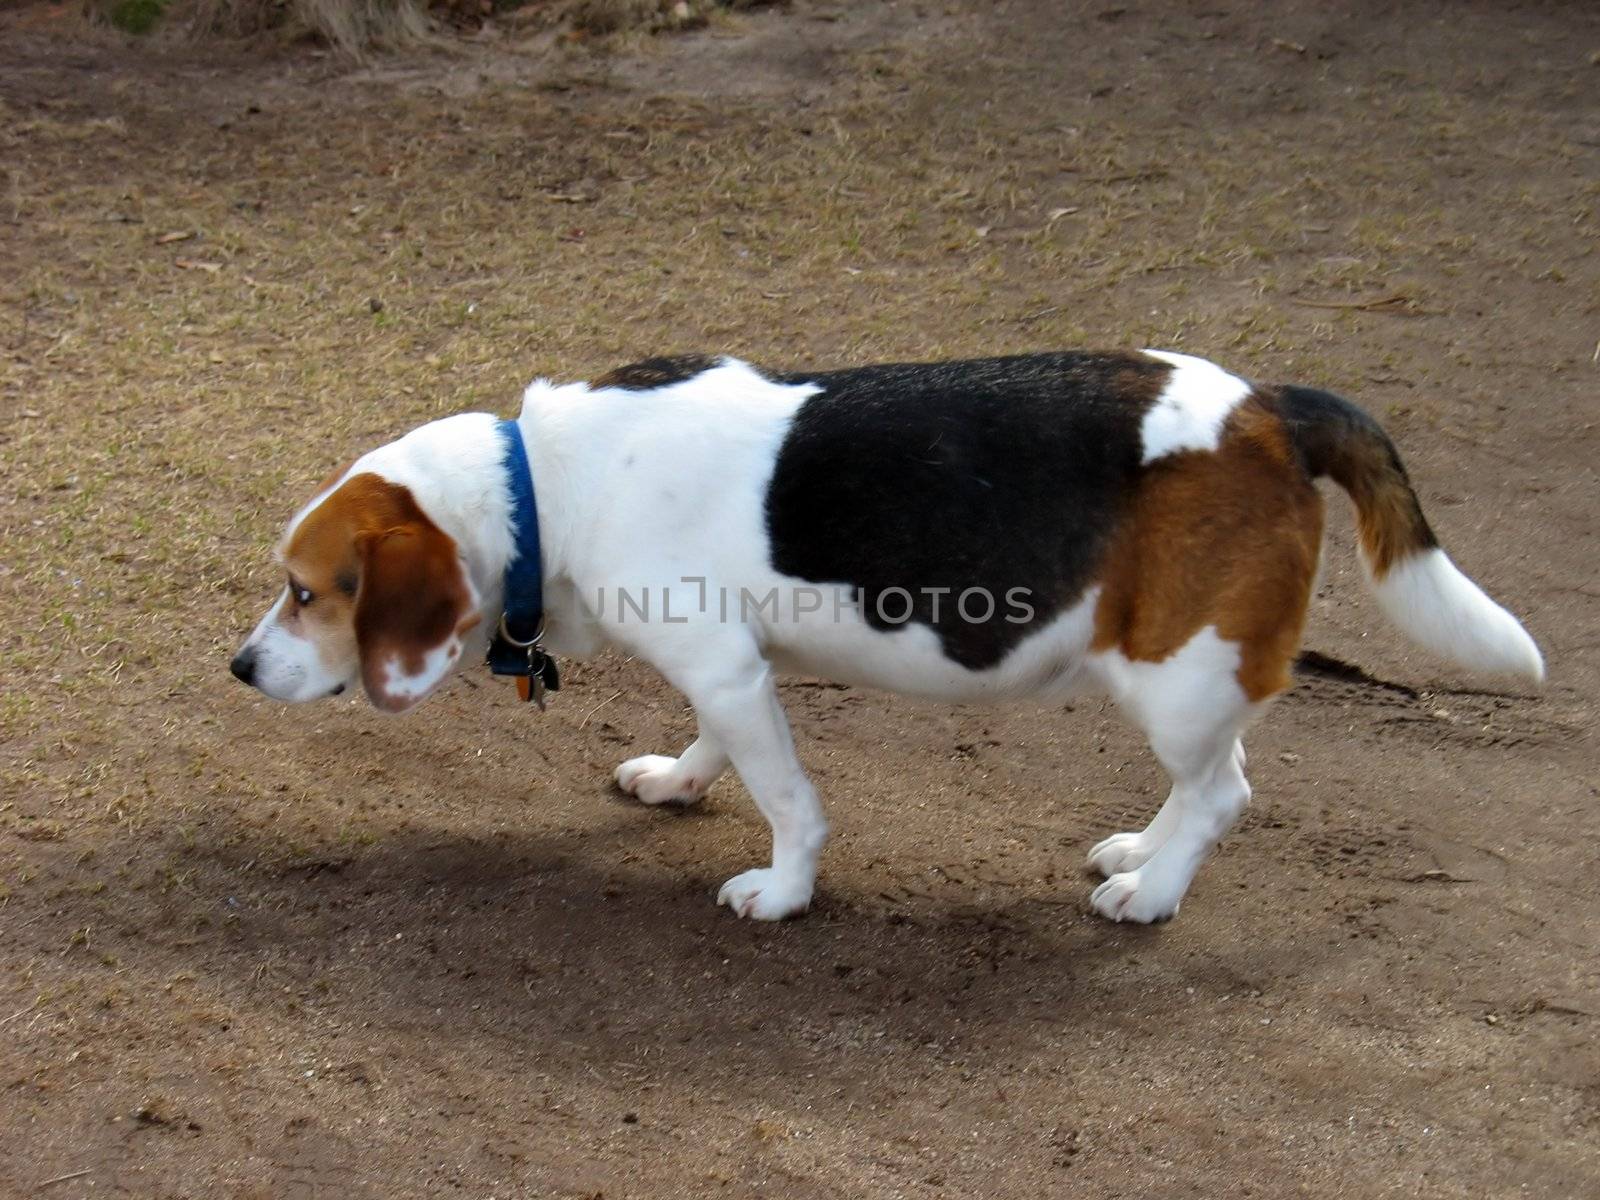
<point x="1415" y="583"/>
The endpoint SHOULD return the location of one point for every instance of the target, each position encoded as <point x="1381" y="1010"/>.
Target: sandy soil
<point x="260" y="952"/>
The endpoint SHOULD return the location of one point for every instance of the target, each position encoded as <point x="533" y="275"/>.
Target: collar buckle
<point x="526" y="661"/>
<point x="536" y="642"/>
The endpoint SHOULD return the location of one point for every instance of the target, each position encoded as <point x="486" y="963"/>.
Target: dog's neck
<point x="555" y="424"/>
<point x="454" y="469"/>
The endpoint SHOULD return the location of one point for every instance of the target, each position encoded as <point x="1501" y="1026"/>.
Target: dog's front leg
<point x="658" y="779"/>
<point x="737" y="704"/>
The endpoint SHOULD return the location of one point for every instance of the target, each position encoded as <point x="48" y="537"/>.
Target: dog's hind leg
<point x="1202" y="601"/>
<point x="1193" y="710"/>
<point x="1132" y="849"/>
<point x="660" y="779"/>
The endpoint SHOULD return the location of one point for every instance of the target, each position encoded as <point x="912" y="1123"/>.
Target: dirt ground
<point x="254" y="951"/>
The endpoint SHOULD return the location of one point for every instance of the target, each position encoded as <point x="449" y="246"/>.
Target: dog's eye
<point x="302" y="595"/>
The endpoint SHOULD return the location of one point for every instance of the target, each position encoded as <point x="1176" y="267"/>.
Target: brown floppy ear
<point x="414" y="604"/>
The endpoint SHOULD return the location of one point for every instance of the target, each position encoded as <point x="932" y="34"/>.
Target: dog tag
<point x="545" y="677"/>
<point x="531" y="687"/>
<point x="534" y="670"/>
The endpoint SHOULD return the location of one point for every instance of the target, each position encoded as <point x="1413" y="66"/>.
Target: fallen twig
<point x="597" y="708"/>
<point x="62" y="1178"/>
<point x="1394" y="303"/>
<point x="1435" y="876"/>
<point x="1038" y="316"/>
<point x="21" y="1012"/>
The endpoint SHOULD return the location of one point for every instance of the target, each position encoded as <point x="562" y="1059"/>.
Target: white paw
<point x="765" y="894"/>
<point x="655" y="779"/>
<point x="1128" y="897"/>
<point x="1121" y="852"/>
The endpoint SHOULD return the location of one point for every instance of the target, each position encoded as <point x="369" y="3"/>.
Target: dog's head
<point x="374" y="590"/>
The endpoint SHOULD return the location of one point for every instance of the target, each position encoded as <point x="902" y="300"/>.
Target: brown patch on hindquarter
<point x="1227" y="538"/>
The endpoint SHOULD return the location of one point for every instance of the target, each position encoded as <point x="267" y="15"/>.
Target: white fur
<point x="288" y="666"/>
<point x="660" y="779"/>
<point x="1193" y="710"/>
<point x="1192" y="408"/>
<point x="410" y="687"/>
<point x="1439" y="608"/>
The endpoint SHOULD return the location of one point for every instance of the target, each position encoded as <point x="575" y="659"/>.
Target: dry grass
<point x="354" y="27"/>
<point x="358" y="28"/>
<point x="603" y="17"/>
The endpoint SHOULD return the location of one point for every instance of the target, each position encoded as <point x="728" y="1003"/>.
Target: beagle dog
<point x="1142" y="525"/>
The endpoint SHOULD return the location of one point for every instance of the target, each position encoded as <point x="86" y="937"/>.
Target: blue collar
<point x="517" y="646"/>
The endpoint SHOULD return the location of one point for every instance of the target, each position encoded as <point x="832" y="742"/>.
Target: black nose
<point x="243" y="666"/>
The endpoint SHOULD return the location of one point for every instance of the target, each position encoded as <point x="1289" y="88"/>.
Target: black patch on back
<point x="657" y="372"/>
<point x="994" y="473"/>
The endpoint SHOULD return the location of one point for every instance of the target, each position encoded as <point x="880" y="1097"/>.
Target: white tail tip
<point x="1442" y="610"/>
